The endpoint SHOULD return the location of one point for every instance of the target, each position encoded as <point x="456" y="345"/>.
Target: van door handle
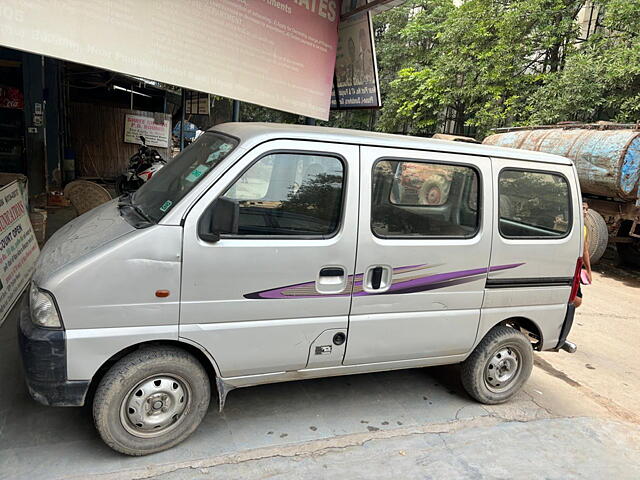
<point x="332" y="272"/>
<point x="376" y="278"/>
<point x="331" y="280"/>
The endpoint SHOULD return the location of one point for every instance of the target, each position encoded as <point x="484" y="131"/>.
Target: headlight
<point x="43" y="309"/>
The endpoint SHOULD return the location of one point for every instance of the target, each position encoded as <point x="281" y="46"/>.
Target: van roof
<point x="252" y="134"/>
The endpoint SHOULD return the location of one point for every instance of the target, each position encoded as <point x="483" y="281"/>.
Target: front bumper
<point x="43" y="352"/>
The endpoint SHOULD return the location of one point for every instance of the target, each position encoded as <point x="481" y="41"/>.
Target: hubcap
<point x="155" y="405"/>
<point x="502" y="369"/>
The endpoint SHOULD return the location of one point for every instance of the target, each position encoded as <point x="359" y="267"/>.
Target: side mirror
<point x="221" y="217"/>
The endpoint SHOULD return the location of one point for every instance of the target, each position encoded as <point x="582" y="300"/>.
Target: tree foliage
<point x="486" y="59"/>
<point x="493" y="63"/>
<point x="601" y="80"/>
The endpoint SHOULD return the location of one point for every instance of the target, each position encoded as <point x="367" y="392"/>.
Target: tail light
<point x="576" y="281"/>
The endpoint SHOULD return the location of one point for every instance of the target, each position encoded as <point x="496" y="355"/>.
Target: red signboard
<point x="11" y="97"/>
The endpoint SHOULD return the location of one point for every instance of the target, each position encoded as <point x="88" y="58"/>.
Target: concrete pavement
<point x="574" y="419"/>
<point x="539" y="449"/>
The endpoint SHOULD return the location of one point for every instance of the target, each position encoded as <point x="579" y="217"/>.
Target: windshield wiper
<point x="141" y="213"/>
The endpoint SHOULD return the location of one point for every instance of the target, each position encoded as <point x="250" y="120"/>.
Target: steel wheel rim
<point x="503" y="368"/>
<point x="155" y="406"/>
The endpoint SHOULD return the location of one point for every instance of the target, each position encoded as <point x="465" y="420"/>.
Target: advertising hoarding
<point x="275" y="53"/>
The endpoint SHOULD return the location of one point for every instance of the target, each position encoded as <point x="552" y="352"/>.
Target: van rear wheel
<point x="498" y="366"/>
<point x="151" y="400"/>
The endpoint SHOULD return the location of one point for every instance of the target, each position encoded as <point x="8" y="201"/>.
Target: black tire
<point x="629" y="253"/>
<point x="598" y="235"/>
<point x="121" y="183"/>
<point x="143" y="369"/>
<point x="124" y="186"/>
<point x="486" y="353"/>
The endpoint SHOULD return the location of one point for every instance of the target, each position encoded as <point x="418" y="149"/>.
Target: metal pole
<point x="184" y="107"/>
<point x="235" y="117"/>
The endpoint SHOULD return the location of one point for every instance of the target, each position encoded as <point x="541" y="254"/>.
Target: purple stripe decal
<point x="432" y="286"/>
<point x="428" y="282"/>
<point x="408" y="267"/>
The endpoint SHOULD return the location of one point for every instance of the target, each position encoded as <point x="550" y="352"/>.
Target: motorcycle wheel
<point x="124" y="186"/>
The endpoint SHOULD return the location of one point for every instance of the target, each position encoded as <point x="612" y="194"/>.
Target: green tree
<point x="601" y="79"/>
<point x="483" y="61"/>
<point x="406" y="45"/>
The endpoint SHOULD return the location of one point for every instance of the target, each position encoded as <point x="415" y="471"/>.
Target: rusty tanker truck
<point x="607" y="157"/>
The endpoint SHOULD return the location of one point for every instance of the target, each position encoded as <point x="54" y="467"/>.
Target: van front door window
<point x="289" y="194"/>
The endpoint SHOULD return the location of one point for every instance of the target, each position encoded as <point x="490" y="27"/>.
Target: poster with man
<point x="356" y="74"/>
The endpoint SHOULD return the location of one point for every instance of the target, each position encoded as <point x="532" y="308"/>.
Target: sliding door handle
<point x="376" y="278"/>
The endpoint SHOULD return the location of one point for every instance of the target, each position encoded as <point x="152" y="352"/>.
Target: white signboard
<point x="155" y="134"/>
<point x="18" y="247"/>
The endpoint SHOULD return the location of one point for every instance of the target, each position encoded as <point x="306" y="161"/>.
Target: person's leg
<point x="578" y="301"/>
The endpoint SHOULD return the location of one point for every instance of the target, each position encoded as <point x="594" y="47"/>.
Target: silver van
<point x="267" y="253"/>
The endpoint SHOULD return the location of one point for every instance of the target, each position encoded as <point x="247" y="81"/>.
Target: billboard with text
<point x="275" y="53"/>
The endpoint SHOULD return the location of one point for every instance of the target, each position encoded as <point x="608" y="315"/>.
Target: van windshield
<point x="170" y="184"/>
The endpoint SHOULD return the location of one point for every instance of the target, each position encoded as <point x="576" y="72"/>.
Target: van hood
<point x="80" y="237"/>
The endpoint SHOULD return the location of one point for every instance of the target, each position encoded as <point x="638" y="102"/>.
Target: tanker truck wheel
<point x="628" y="253"/>
<point x="598" y="235"/>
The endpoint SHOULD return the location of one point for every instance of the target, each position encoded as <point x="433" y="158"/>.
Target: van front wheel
<point x="151" y="400"/>
<point x="499" y="366"/>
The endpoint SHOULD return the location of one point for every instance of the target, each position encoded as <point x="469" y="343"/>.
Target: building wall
<point x="97" y="139"/>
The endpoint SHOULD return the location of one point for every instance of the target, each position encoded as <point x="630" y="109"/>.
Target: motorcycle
<point x="142" y="166"/>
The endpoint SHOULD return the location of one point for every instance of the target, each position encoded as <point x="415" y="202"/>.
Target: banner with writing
<point x="18" y="247"/>
<point x="275" y="53"/>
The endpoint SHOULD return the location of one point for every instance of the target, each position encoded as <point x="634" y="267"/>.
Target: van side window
<point x="421" y="199"/>
<point x="533" y="204"/>
<point x="290" y="194"/>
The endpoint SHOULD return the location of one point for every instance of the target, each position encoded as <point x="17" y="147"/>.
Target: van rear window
<point x="533" y="204"/>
